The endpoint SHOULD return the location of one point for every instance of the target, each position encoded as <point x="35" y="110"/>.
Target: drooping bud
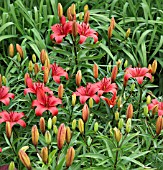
<point x="36" y="68"/>
<point x="60" y="91"/>
<point x="61" y="136"/>
<point x="86" y="17"/>
<point x="95" y="71"/>
<point x="47" y="137"/>
<point x="0" y="80"/>
<point x="55" y="129"/>
<point x="43" y="56"/>
<point x="154" y="66"/>
<point x="96" y="127"/>
<point x="148" y="101"/>
<point x="120" y="123"/>
<point x="128" y="33"/>
<point x="68" y="135"/>
<point x="114" y="73"/>
<point x="54" y="120"/>
<point x="81" y="126"/>
<point x="85" y="113"/>
<point x="128" y="125"/>
<point x="126" y="63"/>
<point x="8" y="130"/>
<point x="117" y="134"/>
<point x="91" y="102"/>
<point x="85" y="8"/>
<point x="116" y="116"/>
<point x="42" y="125"/>
<point x="154" y="110"/>
<point x="159" y="125"/>
<point x="129" y="112"/>
<point x="11" y="166"/>
<point x="60" y="10"/>
<point x="145" y="111"/>
<point x="44" y="155"/>
<point x="30" y="66"/>
<point x="24" y="159"/>
<point x="25" y="78"/>
<point x="34" y="58"/>
<point x="46" y="74"/>
<point x="19" y="50"/>
<point x="74" y="124"/>
<point x="73" y="99"/>
<point x="11" y="50"/>
<point x="74" y="28"/>
<point x="70" y="156"/>
<point x="78" y="78"/>
<point x="35" y="135"/>
<point x="49" y="123"/>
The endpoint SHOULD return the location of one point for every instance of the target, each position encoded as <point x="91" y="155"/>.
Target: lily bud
<point x="25" y="78"/>
<point x="8" y="130"/>
<point x="11" y="166"/>
<point x="60" y="10"/>
<point x="154" y="110"/>
<point x="35" y="135"/>
<point x="30" y="66"/>
<point x="116" y="116"/>
<point x="70" y="156"/>
<point x="85" y="8"/>
<point x="96" y="127"/>
<point x="25" y="148"/>
<point x="74" y="124"/>
<point x="110" y="30"/>
<point x="70" y="18"/>
<point x="128" y="33"/>
<point x="85" y="113"/>
<point x="114" y="73"/>
<point x="34" y="58"/>
<point x="117" y="134"/>
<point x="154" y="66"/>
<point x="125" y="81"/>
<point x="120" y="123"/>
<point x="86" y="17"/>
<point x="109" y="66"/>
<point x="78" y="78"/>
<point x="46" y="74"/>
<point x="11" y="50"/>
<point x="129" y="112"/>
<point x="36" y="68"/>
<point x="118" y="63"/>
<point x="91" y="102"/>
<point x="128" y="125"/>
<point x="42" y="125"/>
<point x="73" y="99"/>
<point x="19" y="50"/>
<point x="80" y="16"/>
<point x="68" y="135"/>
<point x="25" y="159"/>
<point x="72" y="10"/>
<point x="112" y="23"/>
<point x="111" y="131"/>
<point x="126" y="63"/>
<point x="49" y="123"/>
<point x="95" y="71"/>
<point x="148" y="99"/>
<point x="0" y="80"/>
<point x="89" y="141"/>
<point x="54" y="120"/>
<point x="43" y="56"/>
<point x="132" y="86"/>
<point x="47" y="137"/>
<point x="44" y="155"/>
<point x="81" y="126"/>
<point x="74" y="29"/>
<point x="18" y="57"/>
<point x="60" y="91"/>
<point x="159" y="125"/>
<point x="47" y="63"/>
<point x="145" y="111"/>
<point x="61" y="136"/>
<point x="55" y="129"/>
<point x="119" y="102"/>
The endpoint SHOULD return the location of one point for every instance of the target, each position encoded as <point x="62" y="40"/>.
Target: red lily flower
<point x="137" y="73"/>
<point x="111" y="102"/>
<point x="106" y="86"/>
<point x="45" y="102"/>
<point x="85" y="31"/>
<point x="57" y="72"/>
<point x="5" y="96"/>
<point x="61" y="30"/>
<point x="160" y="106"/>
<point x="33" y="87"/>
<point x="87" y="92"/>
<point x="13" y="118"/>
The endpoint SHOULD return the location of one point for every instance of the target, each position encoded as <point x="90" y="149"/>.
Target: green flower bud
<point x="89" y="141"/>
<point x="116" y="116"/>
<point x="4" y="80"/>
<point x="96" y="127"/>
<point x="111" y="131"/>
<point x="120" y="123"/>
<point x="148" y="99"/>
<point x="18" y="57"/>
<point x="30" y="66"/>
<point x="132" y="86"/>
<point x="145" y="111"/>
<point x="49" y="123"/>
<point x="47" y="137"/>
<point x="91" y="102"/>
<point x="128" y="125"/>
<point x="11" y="166"/>
<point x="126" y="64"/>
<point x="74" y="124"/>
<point x="81" y="126"/>
<point x="117" y="134"/>
<point x="54" y="120"/>
<point x="55" y="129"/>
<point x="34" y="58"/>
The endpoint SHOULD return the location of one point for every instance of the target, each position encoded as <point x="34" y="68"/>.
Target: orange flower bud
<point x="0" y="80"/>
<point x="85" y="8"/>
<point x="154" y="110"/>
<point x="95" y="71"/>
<point x="24" y="159"/>
<point x="44" y="155"/>
<point x="117" y="134"/>
<point x="61" y="136"/>
<point x="11" y="50"/>
<point x="85" y="113"/>
<point x="86" y="17"/>
<point x="72" y="10"/>
<point x="60" y="91"/>
<point x="19" y="50"/>
<point x="74" y="29"/>
<point x="46" y="74"/>
<point x="60" y="10"/>
<point x="125" y="81"/>
<point x="8" y="130"/>
<point x="159" y="125"/>
<point x="110" y="30"/>
<point x="70" y="18"/>
<point x="81" y="126"/>
<point x="114" y="73"/>
<point x="112" y="23"/>
<point x="43" y="56"/>
<point x="25" y="78"/>
<point x="154" y="66"/>
<point x="68" y="135"/>
<point x="47" y="63"/>
<point x="128" y="32"/>
<point x="150" y="68"/>
<point x="70" y="156"/>
<point x="35" y="135"/>
<point x="78" y="78"/>
<point x="42" y="125"/>
<point x="129" y="112"/>
<point x="73" y="99"/>
<point x="36" y="68"/>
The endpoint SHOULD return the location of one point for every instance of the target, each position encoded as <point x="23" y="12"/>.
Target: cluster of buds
<point x="71" y="12"/>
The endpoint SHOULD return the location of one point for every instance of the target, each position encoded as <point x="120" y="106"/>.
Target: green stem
<point x="75" y="49"/>
<point x="140" y="100"/>
<point x="58" y="157"/>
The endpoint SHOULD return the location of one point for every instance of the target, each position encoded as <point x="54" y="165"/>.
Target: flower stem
<point x="75" y="49"/>
<point x="58" y="157"/>
<point x="140" y="100"/>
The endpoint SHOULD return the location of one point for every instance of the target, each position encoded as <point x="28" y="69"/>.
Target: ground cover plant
<point x="79" y="88"/>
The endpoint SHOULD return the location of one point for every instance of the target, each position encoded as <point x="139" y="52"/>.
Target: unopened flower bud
<point x="126" y="63"/>
<point x="117" y="134"/>
<point x="49" y="123"/>
<point x="128" y="125"/>
<point x="8" y="130"/>
<point x="86" y="17"/>
<point x="18" y="57"/>
<point x="120" y="123"/>
<point x="89" y="141"/>
<point x="25" y="148"/>
<point x="132" y="86"/>
<point x="129" y="112"/>
<point x="81" y="126"/>
<point x="110" y="30"/>
<point x="72" y="9"/>
<point x="78" y="78"/>
<point x="154" y="110"/>
<point x="95" y="71"/>
<point x="116" y="116"/>
<point x="74" y="29"/>
<point x="112" y="23"/>
<point x="47" y="63"/>
<point x="60" y="91"/>
<point x="35" y="135"/>
<point x="70" y="156"/>
<point x="80" y="16"/>
<point x="42" y="125"/>
<point x="109" y="66"/>
<point x="61" y="136"/>
<point x="96" y="127"/>
<point x="0" y="80"/>
<point x="128" y="33"/>
<point x="145" y="111"/>
<point x="34" y="58"/>
<point x="111" y="131"/>
<point x="46" y="74"/>
<point x="25" y="159"/>
<point x="152" y="79"/>
<point x="19" y="50"/>
<point x="4" y="80"/>
<point x="74" y="124"/>
<point x="47" y="137"/>
<point x="68" y="135"/>
<point x="150" y="68"/>
<point x="25" y="78"/>
<point x="154" y="66"/>
<point x="148" y="99"/>
<point x="54" y="120"/>
<point x="11" y="50"/>
<point x="159" y="125"/>
<point x="114" y="73"/>
<point x="30" y="66"/>
<point x="85" y="8"/>
<point x="44" y="155"/>
<point x="70" y="18"/>
<point x="91" y="102"/>
<point x="118" y="63"/>
<point x="119" y="102"/>
<point x="73" y="99"/>
<point x="85" y="113"/>
<point x="55" y="129"/>
<point x="36" y="68"/>
<point x="43" y="56"/>
<point x="11" y="166"/>
<point x="60" y="10"/>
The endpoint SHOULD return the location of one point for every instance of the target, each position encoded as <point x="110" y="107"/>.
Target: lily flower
<point x="13" y="118"/>
<point x="0" y="150"/>
<point x="87" y="92"/>
<point x="137" y="73"/>
<point x="160" y="106"/>
<point x="110" y="102"/>
<point x="106" y="86"/>
<point x="85" y="31"/>
<point x="5" y="96"/>
<point x="45" y="102"/>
